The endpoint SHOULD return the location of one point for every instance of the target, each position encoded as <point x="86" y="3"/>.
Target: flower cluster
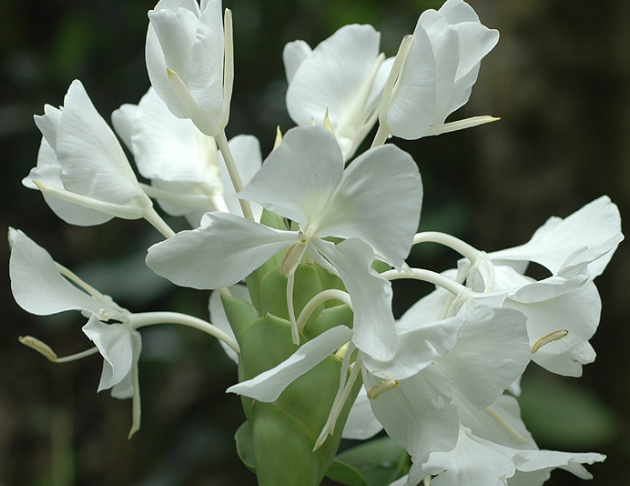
<point x="318" y="234"/>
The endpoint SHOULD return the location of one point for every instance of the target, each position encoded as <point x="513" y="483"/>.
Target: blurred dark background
<point x="559" y="80"/>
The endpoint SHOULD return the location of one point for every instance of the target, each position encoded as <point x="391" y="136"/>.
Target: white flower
<point x="81" y="168"/>
<point x="374" y="204"/>
<point x="486" y="353"/>
<point x="494" y="448"/>
<point x="434" y="72"/>
<point x="42" y="286"/>
<point x="189" y="60"/>
<point x="187" y="172"/>
<point x="343" y="77"/>
<point x="563" y="310"/>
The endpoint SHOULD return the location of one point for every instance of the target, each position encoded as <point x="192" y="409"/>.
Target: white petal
<point x="413" y="104"/>
<point x="293" y="55"/>
<point x="48" y="171"/>
<point x="492" y="350"/>
<point x="419" y="414"/>
<point x="500" y="423"/>
<point x="361" y="423"/>
<point x="378" y="201"/>
<point x="299" y="177"/>
<point x="221" y="252"/>
<point x="122" y="120"/>
<point x="116" y="344"/>
<point x="596" y="226"/>
<point x="371" y="295"/>
<point x="469" y="464"/>
<point x="175" y="31"/>
<point x="37" y="285"/>
<point x="268" y="385"/>
<point x="170" y="148"/>
<point x="457" y="11"/>
<point x="332" y="75"/>
<point x="92" y="160"/>
<point x="219" y="318"/>
<point x="417" y="349"/>
<point x="205" y="75"/>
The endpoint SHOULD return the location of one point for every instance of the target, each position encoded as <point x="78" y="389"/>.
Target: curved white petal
<point x="268" y="385"/>
<point x="116" y="345"/>
<point x="419" y="414"/>
<point x="417" y="348"/>
<point x="469" y="463"/>
<point x="221" y="252"/>
<point x="37" y="285"/>
<point x="590" y="235"/>
<point x="48" y="171"/>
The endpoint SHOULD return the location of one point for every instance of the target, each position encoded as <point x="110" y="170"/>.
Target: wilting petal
<point x="116" y="344"/>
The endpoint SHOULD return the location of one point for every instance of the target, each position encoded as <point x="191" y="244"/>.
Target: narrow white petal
<point x="413" y="104"/>
<point x="268" y="385"/>
<point x="371" y="295"/>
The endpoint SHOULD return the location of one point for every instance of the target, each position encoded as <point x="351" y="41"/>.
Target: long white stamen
<point x="316" y="301"/>
<point x="428" y="276"/>
<point x="150" y="318"/>
<point x="338" y="404"/>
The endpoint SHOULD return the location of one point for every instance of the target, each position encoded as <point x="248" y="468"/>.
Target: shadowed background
<point x="559" y="80"/>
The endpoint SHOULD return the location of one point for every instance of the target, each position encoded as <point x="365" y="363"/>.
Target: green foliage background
<point x="559" y="79"/>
